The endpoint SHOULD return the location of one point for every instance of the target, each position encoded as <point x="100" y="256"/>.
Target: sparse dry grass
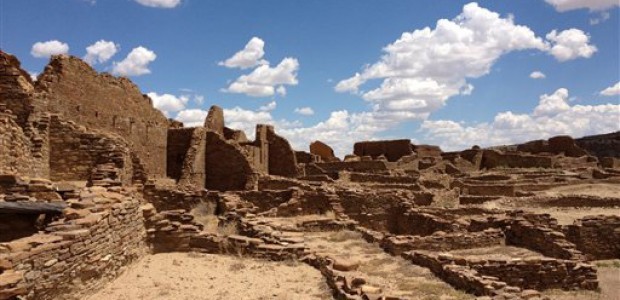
<point x="204" y="213"/>
<point x="344" y="235"/>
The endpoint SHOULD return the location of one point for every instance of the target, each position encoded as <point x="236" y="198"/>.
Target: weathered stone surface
<point x="215" y="120"/>
<point x="323" y="150"/>
<point x="393" y="150"/>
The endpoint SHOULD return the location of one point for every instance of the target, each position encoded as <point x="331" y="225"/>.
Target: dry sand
<point x="193" y="276"/>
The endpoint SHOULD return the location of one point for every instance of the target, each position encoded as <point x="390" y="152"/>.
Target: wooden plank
<point x="32" y="207"/>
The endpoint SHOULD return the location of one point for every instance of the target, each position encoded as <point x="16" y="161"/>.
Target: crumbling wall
<point x="542" y="239"/>
<point x="76" y="154"/>
<point x="495" y="159"/>
<point x="393" y="150"/>
<point x="76" y="254"/>
<point x="397" y="245"/>
<point x="324" y="151"/>
<point x="179" y="141"/>
<point x="596" y="236"/>
<point x="556" y="145"/>
<point x="18" y="98"/>
<point x="103" y="102"/>
<point x="227" y="167"/>
<point x="282" y="160"/>
<point x="15" y="154"/>
<point x="215" y="120"/>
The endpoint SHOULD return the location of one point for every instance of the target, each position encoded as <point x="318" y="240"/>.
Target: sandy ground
<point x="566" y="215"/>
<point x="599" y="189"/>
<point x="394" y="275"/>
<point x="191" y="276"/>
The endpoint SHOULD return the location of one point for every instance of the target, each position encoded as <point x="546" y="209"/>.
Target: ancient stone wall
<point x="324" y="151"/>
<point x="427" y="150"/>
<point x="556" y="145"/>
<point x="76" y="254"/>
<point x="596" y="236"/>
<point x="215" y="120"/>
<point x="495" y="159"/>
<point x="178" y="144"/>
<point x="15" y="154"/>
<point x="397" y="245"/>
<point x="193" y="172"/>
<point x="282" y="160"/>
<point x="545" y="240"/>
<point x="393" y="150"/>
<point x="103" y="102"/>
<point x="18" y="97"/>
<point x="227" y="167"/>
<point x="75" y="154"/>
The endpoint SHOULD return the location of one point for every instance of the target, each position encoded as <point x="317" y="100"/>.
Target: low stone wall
<point x="396" y="245"/>
<point x="378" y="178"/>
<point x="598" y="237"/>
<point x="170" y="197"/>
<point x="542" y="239"/>
<point x="101" y="232"/>
<point x="516" y="276"/>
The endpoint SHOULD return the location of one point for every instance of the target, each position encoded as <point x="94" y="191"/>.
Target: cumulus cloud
<point x="136" y="63"/>
<point x="612" y="90"/>
<point x="304" y="111"/>
<point x="160" y="3"/>
<point x="592" y="5"/>
<point x="424" y="68"/>
<point x="192" y="117"/>
<point x="168" y="103"/>
<point x="570" y="44"/>
<point x="268" y="107"/>
<point x="552" y="116"/>
<point x="49" y="48"/>
<point x="263" y="80"/>
<point x="537" y="75"/>
<point x="250" y="56"/>
<point x="100" y="52"/>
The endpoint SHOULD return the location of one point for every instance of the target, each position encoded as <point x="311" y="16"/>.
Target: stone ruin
<point x="93" y="178"/>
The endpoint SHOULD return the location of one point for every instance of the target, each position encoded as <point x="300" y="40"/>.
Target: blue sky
<point x="420" y="89"/>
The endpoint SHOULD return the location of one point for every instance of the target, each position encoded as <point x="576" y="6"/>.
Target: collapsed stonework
<point x="87" y="189"/>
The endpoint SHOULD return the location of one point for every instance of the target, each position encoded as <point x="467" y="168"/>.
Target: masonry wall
<point x="598" y="237"/>
<point x="76" y="255"/>
<point x="393" y="150"/>
<point x="75" y="154"/>
<point x="179" y="141"/>
<point x="103" y="102"/>
<point x="227" y="167"/>
<point x="18" y="97"/>
<point x="15" y="155"/>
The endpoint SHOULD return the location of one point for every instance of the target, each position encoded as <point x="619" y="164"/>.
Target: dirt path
<point x="394" y="275"/>
<point x="182" y="276"/>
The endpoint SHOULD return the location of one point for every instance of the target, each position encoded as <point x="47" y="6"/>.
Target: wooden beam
<point x="32" y="207"/>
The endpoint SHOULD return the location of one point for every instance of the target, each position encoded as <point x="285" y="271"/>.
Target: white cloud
<point x="570" y="44"/>
<point x="160" y="3"/>
<point x="553" y="116"/>
<point x="268" y="107"/>
<point x="612" y="90"/>
<point x="250" y="56"/>
<point x="49" y="48"/>
<point x="33" y="75"/>
<point x="262" y="81"/>
<point x="592" y="5"/>
<point x="100" y="52"/>
<point x="281" y="90"/>
<point x="600" y="19"/>
<point x="422" y="69"/>
<point x="168" y="103"/>
<point x="304" y="111"/>
<point x="537" y="75"/>
<point x="192" y="117"/>
<point x="136" y="63"/>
